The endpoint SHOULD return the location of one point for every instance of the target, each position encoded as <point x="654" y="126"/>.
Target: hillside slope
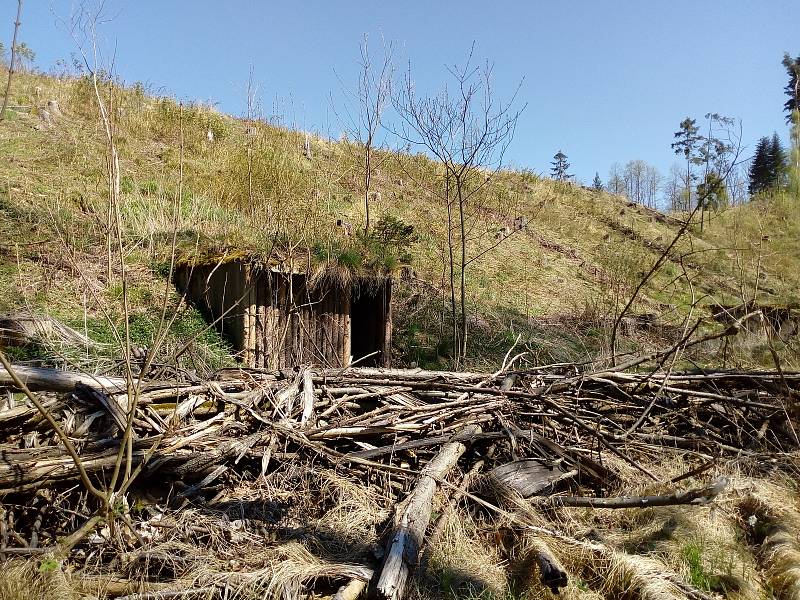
<point x="556" y="260"/>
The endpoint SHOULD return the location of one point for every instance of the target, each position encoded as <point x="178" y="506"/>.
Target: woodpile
<point x="538" y="437"/>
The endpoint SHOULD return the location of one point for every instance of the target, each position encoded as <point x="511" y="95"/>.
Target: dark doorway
<point x="370" y="325"/>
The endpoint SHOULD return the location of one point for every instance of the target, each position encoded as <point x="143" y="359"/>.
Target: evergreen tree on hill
<point x="560" y="167"/>
<point x="792" y="106"/>
<point x="597" y="185"/>
<point x="792" y="89"/>
<point x="760" y="167"/>
<point x="769" y="166"/>
<point x="777" y="162"/>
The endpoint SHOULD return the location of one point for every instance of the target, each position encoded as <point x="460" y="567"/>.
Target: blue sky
<point x="603" y="81"/>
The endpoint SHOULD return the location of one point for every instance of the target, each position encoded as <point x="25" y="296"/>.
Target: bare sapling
<point x="703" y="196"/>
<point x="467" y="130"/>
<point x="125" y="468"/>
<point x="12" y="63"/>
<point x="371" y="97"/>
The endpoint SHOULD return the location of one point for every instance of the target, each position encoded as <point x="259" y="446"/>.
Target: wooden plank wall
<point x="217" y="291"/>
<point x="274" y="320"/>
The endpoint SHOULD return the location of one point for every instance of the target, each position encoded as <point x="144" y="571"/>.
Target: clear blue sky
<point x="605" y="81"/>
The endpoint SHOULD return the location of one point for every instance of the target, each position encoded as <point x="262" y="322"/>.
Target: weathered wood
<point x="407" y="374"/>
<point x="551" y="573"/>
<point x="695" y="496"/>
<point x="54" y="380"/>
<point x="402" y="551"/>
<point x="351" y="590"/>
<point x="248" y="310"/>
<point x="116" y="406"/>
<point x="273" y="324"/>
<point x="529" y="477"/>
<point x="307" y="398"/>
<point x="344" y="326"/>
<point x="260" y="301"/>
<point x="387" y="324"/>
<point x="284" y="323"/>
<point x="336" y="331"/>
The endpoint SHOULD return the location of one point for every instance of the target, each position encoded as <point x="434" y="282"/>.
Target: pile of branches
<point x="539" y="433"/>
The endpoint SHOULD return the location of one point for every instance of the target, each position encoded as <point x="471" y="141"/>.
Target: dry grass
<point x="40" y="579"/>
<point x="56" y="178"/>
<point x="301" y="528"/>
<point x="771" y="515"/>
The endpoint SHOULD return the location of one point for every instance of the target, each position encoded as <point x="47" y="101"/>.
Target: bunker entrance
<point x="370" y="326"/>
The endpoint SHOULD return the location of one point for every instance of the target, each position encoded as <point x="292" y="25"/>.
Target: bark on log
<point x="402" y="552"/>
<point x="307" y="397"/>
<point x="410" y="374"/>
<point x="54" y="380"/>
<point x="351" y="591"/>
<point x="696" y="496"/>
<point x="551" y="573"/>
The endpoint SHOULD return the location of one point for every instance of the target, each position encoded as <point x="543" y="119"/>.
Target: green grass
<point x="710" y="568"/>
<point x="583" y="251"/>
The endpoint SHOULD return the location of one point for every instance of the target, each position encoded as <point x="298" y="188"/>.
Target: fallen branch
<point x="702" y="495"/>
<point x="404" y="545"/>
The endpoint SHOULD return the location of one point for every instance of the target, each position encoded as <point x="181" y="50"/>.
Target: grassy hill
<point x="559" y="261"/>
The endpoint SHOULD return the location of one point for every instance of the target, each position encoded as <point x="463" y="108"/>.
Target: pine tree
<point x="597" y="185"/>
<point x="769" y="167"/>
<point x="760" y="168"/>
<point x="560" y="167"/>
<point x="687" y="141"/>
<point x="792" y="107"/>
<point x="713" y="192"/>
<point x="792" y="89"/>
<point x="777" y="162"/>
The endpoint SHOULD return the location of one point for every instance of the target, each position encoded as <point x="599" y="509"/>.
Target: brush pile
<point x="230" y="462"/>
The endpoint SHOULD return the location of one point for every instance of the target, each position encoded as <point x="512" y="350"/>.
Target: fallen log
<point x="701" y="495"/>
<point x="530" y="476"/>
<point x="351" y="590"/>
<point x="551" y="573"/>
<point x="55" y="380"/>
<point x="402" y="551"/>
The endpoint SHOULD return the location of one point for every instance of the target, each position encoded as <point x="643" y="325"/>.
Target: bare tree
<point x="738" y="182"/>
<point x="372" y="95"/>
<point x="616" y="181"/>
<point x="468" y="131"/>
<point x="634" y="176"/>
<point x="676" y="189"/>
<point x="641" y="182"/>
<point x="702" y="197"/>
<point x="13" y="60"/>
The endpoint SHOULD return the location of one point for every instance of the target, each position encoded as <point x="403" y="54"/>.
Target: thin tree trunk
<point x="451" y="258"/>
<point x="13" y="60"/>
<point x="367" y="178"/>
<point x="463" y="281"/>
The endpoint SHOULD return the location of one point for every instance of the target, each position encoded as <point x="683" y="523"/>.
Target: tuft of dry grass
<point x="41" y="579"/>
<point x="773" y="521"/>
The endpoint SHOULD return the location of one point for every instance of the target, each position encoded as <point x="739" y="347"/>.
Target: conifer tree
<point x="713" y="192"/>
<point x="597" y="184"/>
<point x="792" y="89"/>
<point x="792" y="106"/>
<point x="760" y="168"/>
<point x="560" y="167"/>
<point x="777" y="162"/>
<point x="687" y="141"/>
<point x="769" y="166"/>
